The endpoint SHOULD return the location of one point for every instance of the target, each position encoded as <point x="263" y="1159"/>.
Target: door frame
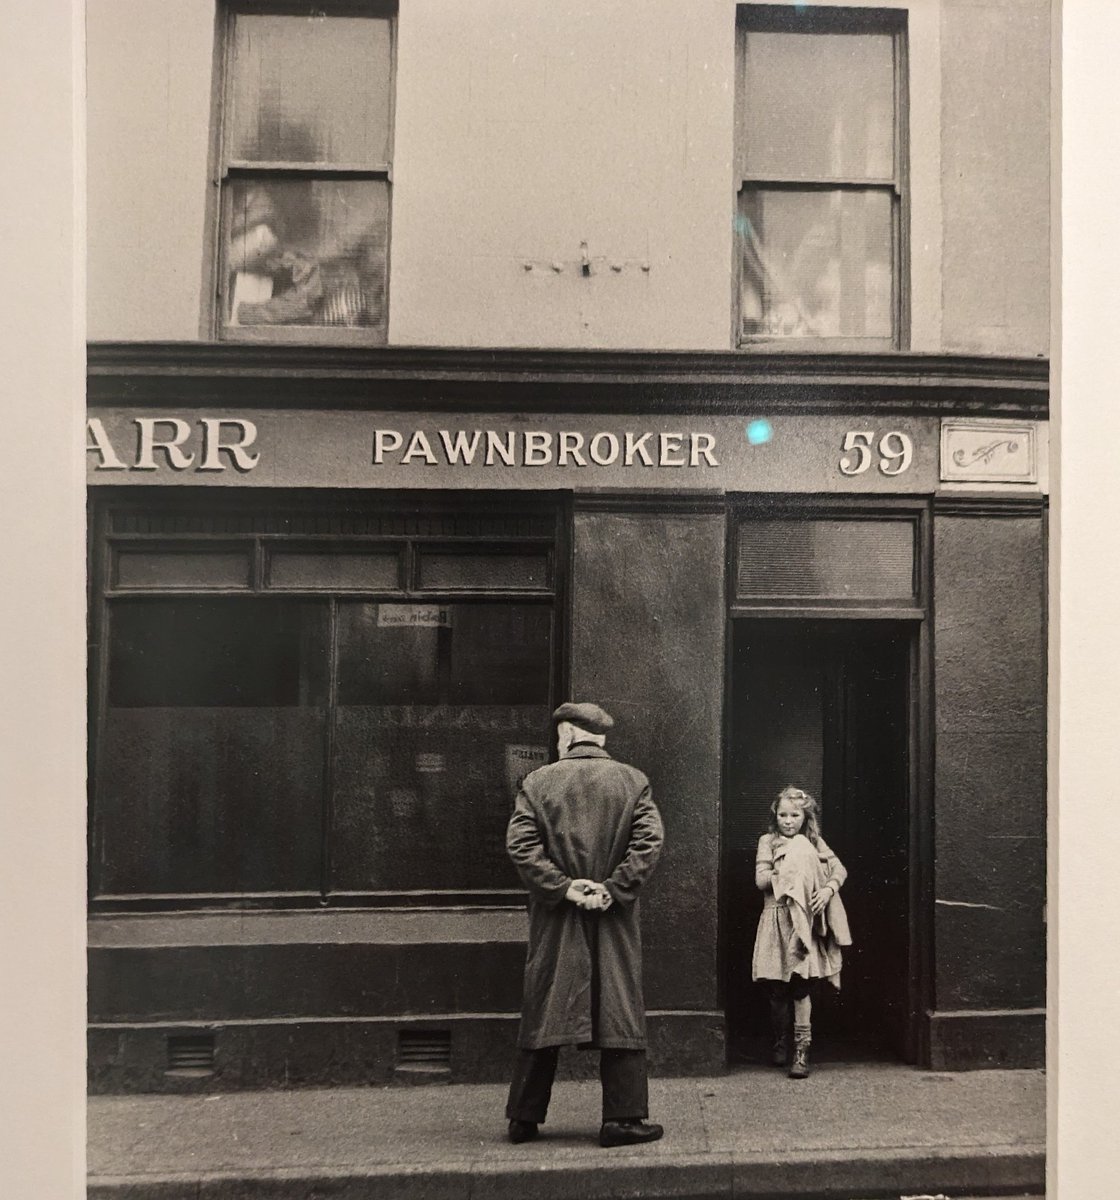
<point x="920" y="731"/>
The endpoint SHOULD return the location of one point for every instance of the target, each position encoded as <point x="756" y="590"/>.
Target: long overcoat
<point x="584" y="817"/>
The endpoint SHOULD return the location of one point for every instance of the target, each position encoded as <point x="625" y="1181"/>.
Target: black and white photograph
<point x="569" y="598"/>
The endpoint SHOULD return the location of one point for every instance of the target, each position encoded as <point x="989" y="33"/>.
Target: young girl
<point x="802" y="925"/>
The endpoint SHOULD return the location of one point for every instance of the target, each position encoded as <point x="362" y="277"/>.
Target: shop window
<point x="436" y="725"/>
<point x="305" y="154"/>
<point x="212" y="755"/>
<point x="821" y="165"/>
<point x="325" y="730"/>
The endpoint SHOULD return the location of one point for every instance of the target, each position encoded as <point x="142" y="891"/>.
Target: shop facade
<point x="335" y="596"/>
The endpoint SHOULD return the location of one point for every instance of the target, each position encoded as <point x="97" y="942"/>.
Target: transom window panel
<point x="325" y="568"/>
<point x="827" y="559"/>
<point x="821" y="162"/>
<point x="187" y="568"/>
<point x="468" y="571"/>
<point x="306" y="139"/>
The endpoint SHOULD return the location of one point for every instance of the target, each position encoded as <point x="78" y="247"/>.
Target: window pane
<point x="169" y="568"/>
<point x="236" y="652"/>
<point x="213" y="754"/>
<point x="309" y="89"/>
<point x="436" y="726"/>
<point x="827" y="560"/>
<point x="307" y="252"/>
<point x="462" y="570"/>
<point x="819" y="105"/>
<point x="816" y="263"/>
<point x="334" y="569"/>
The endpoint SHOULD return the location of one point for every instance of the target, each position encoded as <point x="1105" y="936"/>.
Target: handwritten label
<point x="413" y="616"/>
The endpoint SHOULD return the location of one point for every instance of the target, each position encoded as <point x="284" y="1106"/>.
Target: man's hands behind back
<point x="588" y="895"/>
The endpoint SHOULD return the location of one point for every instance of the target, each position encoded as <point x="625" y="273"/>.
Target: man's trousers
<point x="621" y="1072"/>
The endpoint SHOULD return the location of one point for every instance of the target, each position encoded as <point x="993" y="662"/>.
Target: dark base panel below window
<point x="973" y="1040"/>
<point x="470" y="1047"/>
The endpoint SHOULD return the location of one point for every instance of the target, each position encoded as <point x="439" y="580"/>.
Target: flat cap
<point x="589" y="717"/>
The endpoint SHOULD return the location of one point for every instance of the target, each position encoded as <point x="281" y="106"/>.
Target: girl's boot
<point x="779" y="1025"/>
<point x="802" y="1037"/>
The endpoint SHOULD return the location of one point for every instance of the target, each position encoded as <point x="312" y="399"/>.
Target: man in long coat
<point x="585" y="835"/>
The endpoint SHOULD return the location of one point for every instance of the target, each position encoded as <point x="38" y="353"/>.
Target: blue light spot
<point x="759" y="432"/>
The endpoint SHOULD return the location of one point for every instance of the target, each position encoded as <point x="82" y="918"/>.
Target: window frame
<point x="743" y="509"/>
<point x="809" y="20"/>
<point x="225" y="172"/>
<point x="104" y="591"/>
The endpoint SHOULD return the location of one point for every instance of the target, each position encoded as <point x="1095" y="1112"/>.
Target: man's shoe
<point x="522" y="1131"/>
<point x="628" y="1133"/>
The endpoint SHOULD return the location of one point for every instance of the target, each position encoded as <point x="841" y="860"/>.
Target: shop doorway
<point x="825" y="706"/>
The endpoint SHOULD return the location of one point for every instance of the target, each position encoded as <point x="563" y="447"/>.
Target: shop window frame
<point x="102" y="591"/>
<point x="225" y="171"/>
<point x="811" y="19"/>
<point x="914" y="512"/>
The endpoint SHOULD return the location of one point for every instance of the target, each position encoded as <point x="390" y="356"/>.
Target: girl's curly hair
<point x="812" y="826"/>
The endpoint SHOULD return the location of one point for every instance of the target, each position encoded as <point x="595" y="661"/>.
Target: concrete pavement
<point x="849" y="1132"/>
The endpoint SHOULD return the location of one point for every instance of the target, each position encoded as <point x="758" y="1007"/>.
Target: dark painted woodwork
<point x="990" y="772"/>
<point x="310" y="1053"/>
<point x="647" y="643"/>
<point x="157" y="374"/>
<point x="973" y="1040"/>
<point x="252" y="982"/>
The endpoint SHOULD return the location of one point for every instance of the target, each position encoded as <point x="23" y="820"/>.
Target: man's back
<point x="584" y="805"/>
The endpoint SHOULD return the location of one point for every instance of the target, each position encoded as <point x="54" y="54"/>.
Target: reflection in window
<point x="310" y="252"/>
<point x="816" y="264"/>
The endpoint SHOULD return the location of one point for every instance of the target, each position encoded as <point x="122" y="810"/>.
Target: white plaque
<point x="989" y="452"/>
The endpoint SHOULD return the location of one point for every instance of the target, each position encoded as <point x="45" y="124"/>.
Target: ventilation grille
<point x="191" y="1052"/>
<point x="826" y="560"/>
<point x="356" y="524"/>
<point x="428" y="1049"/>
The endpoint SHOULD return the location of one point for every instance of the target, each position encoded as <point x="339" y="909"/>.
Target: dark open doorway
<point x="824" y="705"/>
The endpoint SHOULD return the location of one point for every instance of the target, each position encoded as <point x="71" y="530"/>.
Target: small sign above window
<point x="413" y="616"/>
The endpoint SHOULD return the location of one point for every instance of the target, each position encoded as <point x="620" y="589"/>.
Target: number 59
<point x="896" y="451"/>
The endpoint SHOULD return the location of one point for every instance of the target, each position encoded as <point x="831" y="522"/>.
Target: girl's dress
<point x="784" y="946"/>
